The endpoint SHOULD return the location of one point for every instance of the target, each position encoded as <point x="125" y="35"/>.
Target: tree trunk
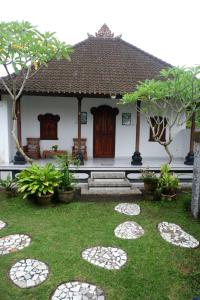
<point x="14" y="129"/>
<point x="168" y="153"/>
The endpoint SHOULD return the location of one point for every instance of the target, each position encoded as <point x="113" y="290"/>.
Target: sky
<point x="168" y="29"/>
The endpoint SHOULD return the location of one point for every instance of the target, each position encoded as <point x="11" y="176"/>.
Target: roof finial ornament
<point x="104" y="33"/>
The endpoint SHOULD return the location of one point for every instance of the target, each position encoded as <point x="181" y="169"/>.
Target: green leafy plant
<point x="38" y="181"/>
<point x="168" y="182"/>
<point x="23" y="52"/>
<point x="55" y="147"/>
<point x="7" y="183"/>
<point x="67" y="177"/>
<point x="148" y="176"/>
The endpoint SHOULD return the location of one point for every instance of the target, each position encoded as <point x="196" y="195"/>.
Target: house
<point x="80" y="100"/>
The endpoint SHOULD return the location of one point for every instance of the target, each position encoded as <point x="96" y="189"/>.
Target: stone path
<point x="105" y="257"/>
<point x="28" y="273"/>
<point x="77" y="290"/>
<point x="128" y="209"/>
<point x="129" y="230"/>
<point x="175" y="235"/>
<point x="13" y="243"/>
<point x="2" y="224"/>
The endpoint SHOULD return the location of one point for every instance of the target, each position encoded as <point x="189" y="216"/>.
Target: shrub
<point x="38" y="180"/>
<point x="7" y="184"/>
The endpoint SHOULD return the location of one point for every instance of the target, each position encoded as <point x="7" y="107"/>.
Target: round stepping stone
<point x="13" y="243"/>
<point x="105" y="257"/>
<point x="77" y="290"/>
<point x="129" y="231"/>
<point x="128" y="209"/>
<point x="28" y="273"/>
<point x="175" y="235"/>
<point x="2" y="224"/>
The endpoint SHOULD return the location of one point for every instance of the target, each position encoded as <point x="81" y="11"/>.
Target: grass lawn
<point x="155" y="269"/>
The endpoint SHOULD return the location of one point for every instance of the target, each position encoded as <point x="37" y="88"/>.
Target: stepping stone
<point x="28" y="273"/>
<point x="175" y="235"/>
<point x="105" y="257"/>
<point x="2" y="224"/>
<point x="76" y="290"/>
<point x="128" y="209"/>
<point x="13" y="243"/>
<point x="129" y="231"/>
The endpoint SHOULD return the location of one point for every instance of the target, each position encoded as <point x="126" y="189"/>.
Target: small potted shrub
<point x="168" y="184"/>
<point x="39" y="182"/>
<point x="7" y="186"/>
<point x="66" y="186"/>
<point x="54" y="148"/>
<point x="150" y="180"/>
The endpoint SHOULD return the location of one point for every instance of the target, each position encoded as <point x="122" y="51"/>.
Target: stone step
<point x="108" y="183"/>
<point x="111" y="191"/>
<point x="107" y="175"/>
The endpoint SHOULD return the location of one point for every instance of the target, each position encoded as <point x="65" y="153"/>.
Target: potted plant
<point x="54" y="148"/>
<point x="7" y="186"/>
<point x="39" y="182"/>
<point x="150" y="180"/>
<point x="66" y="186"/>
<point x="168" y="184"/>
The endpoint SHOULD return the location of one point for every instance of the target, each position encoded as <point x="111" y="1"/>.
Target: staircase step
<point x="108" y="183"/>
<point x="107" y="175"/>
<point x="111" y="191"/>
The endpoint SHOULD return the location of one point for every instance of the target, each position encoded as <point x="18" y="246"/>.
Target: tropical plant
<point x="38" y="180"/>
<point x="54" y="147"/>
<point x="148" y="176"/>
<point x="168" y="182"/>
<point x="23" y="52"/>
<point x="7" y="183"/>
<point x="168" y="101"/>
<point x="67" y="177"/>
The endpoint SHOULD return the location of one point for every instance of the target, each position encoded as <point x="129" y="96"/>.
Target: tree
<point x="23" y="52"/>
<point x="168" y="101"/>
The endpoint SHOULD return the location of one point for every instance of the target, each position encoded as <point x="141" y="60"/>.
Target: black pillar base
<point x="136" y="159"/>
<point x="189" y="159"/>
<point x="19" y="159"/>
<point x="79" y="156"/>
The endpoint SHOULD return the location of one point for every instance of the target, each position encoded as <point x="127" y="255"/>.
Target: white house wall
<point x="4" y="131"/>
<point x="66" y="108"/>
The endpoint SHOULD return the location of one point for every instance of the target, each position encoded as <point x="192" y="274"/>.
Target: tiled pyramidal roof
<point x="102" y="64"/>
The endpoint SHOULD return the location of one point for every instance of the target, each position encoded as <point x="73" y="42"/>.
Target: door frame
<point x="114" y="111"/>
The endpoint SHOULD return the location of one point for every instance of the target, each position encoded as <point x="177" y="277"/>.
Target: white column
<point x="4" y="131"/>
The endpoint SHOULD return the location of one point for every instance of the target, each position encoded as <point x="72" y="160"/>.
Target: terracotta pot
<point x="168" y="197"/>
<point x="45" y="199"/>
<point x="65" y="196"/>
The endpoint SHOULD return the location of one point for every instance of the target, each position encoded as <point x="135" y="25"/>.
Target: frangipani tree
<point x="23" y="52"/>
<point x="168" y="101"/>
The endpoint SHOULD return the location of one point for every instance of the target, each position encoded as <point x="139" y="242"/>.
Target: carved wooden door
<point x="104" y="131"/>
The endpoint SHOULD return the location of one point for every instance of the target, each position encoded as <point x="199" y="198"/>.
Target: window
<point x="159" y="128"/>
<point x="48" y="126"/>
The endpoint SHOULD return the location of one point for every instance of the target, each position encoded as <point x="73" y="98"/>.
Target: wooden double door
<point x="104" y="126"/>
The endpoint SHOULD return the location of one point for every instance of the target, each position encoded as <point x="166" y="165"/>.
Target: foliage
<point x="38" y="181"/>
<point x="149" y="176"/>
<point x="25" y="50"/>
<point x="165" y="101"/>
<point x="67" y="177"/>
<point x="7" y="183"/>
<point x="168" y="182"/>
<point x="54" y="147"/>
